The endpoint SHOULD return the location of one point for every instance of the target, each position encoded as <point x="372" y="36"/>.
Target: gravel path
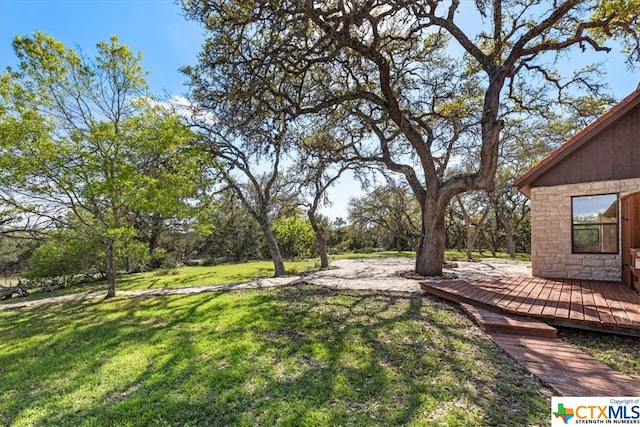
<point x="376" y="274"/>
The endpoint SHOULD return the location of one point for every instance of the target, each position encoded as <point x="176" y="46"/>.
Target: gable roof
<point x="525" y="182"/>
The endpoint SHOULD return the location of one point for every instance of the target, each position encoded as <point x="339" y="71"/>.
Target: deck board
<point x="617" y="310"/>
<point x="519" y="292"/>
<point x="604" y="311"/>
<point x="505" y="323"/>
<point x="543" y="297"/>
<point x="632" y="311"/>
<point x="485" y="293"/>
<point x="588" y="304"/>
<point x="553" y="299"/>
<point x="590" y="309"/>
<point x="576" y="306"/>
<point x="564" y="300"/>
<point x="532" y="298"/>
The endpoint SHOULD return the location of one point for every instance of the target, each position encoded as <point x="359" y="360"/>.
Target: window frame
<point x="615" y="224"/>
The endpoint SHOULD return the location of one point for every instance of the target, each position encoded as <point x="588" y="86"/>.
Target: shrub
<point x="295" y="237"/>
<point x="161" y="259"/>
<point x="62" y="256"/>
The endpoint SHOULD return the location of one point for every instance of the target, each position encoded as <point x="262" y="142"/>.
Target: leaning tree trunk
<point x="430" y="249"/>
<point x="320" y="240"/>
<point x="469" y="237"/>
<point x="502" y="217"/>
<point x="471" y="243"/>
<point x="274" y="250"/>
<point x="472" y="235"/>
<point x="511" y="243"/>
<point x="155" y="234"/>
<point x="111" y="268"/>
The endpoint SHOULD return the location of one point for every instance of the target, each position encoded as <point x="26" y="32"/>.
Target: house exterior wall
<point x="551" y="232"/>
<point x="611" y="154"/>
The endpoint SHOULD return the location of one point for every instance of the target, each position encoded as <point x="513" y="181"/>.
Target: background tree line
<point x="385" y="219"/>
<point x="414" y="87"/>
<point x="98" y="175"/>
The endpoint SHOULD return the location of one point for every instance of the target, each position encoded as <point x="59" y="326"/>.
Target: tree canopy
<point x="429" y="81"/>
<point x="83" y="144"/>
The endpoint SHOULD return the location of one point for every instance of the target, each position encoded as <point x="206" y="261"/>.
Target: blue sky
<point x="154" y="27"/>
<point x="168" y="41"/>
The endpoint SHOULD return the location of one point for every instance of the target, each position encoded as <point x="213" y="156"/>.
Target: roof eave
<point x="525" y="181"/>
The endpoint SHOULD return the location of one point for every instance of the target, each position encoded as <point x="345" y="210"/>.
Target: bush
<point x="62" y="256"/>
<point x="295" y="237"/>
<point x="161" y="259"/>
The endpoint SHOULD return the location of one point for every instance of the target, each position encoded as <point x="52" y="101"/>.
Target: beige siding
<point x="551" y="232"/>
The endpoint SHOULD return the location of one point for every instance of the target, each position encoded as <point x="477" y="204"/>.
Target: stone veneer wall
<point x="551" y="232"/>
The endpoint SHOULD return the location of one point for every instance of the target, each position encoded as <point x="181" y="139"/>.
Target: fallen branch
<point x="7" y="293"/>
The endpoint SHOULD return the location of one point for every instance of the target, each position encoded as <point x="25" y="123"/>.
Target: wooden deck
<point x="584" y="304"/>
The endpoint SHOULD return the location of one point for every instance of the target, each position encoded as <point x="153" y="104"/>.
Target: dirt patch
<point x="371" y="274"/>
<point x="412" y="275"/>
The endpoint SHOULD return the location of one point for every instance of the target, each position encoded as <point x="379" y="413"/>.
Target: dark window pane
<point x="595" y="238"/>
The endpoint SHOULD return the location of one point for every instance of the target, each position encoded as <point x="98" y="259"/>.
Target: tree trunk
<point x="320" y="240"/>
<point x="274" y="250"/>
<point x="472" y="235"/>
<point x="111" y="268"/>
<point x="155" y="233"/>
<point x="511" y="244"/>
<point x="479" y="227"/>
<point x="430" y="249"/>
<point x="469" y="236"/>
<point x="471" y="241"/>
<point x="492" y="241"/>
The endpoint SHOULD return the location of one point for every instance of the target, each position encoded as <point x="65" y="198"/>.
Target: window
<point x="595" y="224"/>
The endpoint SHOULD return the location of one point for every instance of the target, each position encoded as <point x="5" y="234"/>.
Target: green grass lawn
<point x="180" y="277"/>
<point x="290" y="356"/>
<point x="462" y="255"/>
<point x="449" y="254"/>
<point x="216" y="275"/>
<point x="619" y="352"/>
<point x="381" y="254"/>
<point x="211" y="275"/>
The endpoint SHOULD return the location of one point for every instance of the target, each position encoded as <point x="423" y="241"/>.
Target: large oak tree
<point x="431" y="80"/>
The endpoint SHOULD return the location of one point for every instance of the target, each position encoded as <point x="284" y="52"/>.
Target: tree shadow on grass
<point x="298" y="355"/>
